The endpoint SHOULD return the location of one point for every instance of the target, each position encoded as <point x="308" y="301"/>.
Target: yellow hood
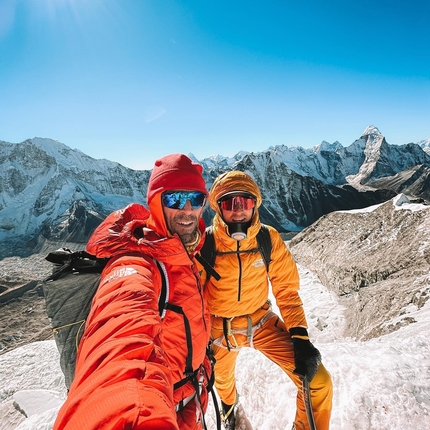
<point x="230" y="182"/>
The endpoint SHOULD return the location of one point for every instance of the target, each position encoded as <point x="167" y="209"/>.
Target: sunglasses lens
<point x="178" y="199"/>
<point x="242" y="202"/>
<point x="197" y="199"/>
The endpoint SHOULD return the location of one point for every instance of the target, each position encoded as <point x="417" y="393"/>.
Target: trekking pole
<point x="308" y="403"/>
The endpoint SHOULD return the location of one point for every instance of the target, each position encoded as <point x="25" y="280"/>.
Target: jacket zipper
<point x="239" y="287"/>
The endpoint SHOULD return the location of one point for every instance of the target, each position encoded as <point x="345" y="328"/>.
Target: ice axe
<point x="308" y="402"/>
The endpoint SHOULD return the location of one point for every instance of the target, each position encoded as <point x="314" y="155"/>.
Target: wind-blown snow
<point x="380" y="384"/>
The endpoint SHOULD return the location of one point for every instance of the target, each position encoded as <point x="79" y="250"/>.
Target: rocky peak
<point x="372" y="131"/>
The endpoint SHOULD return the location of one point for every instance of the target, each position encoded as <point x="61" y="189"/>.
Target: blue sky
<point x="132" y="80"/>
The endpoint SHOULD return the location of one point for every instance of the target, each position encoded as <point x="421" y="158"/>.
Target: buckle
<point x="229" y="333"/>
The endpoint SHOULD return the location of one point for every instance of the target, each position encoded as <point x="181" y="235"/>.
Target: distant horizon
<point x="151" y="162"/>
<point x="132" y="81"/>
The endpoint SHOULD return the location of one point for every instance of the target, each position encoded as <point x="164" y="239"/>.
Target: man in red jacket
<point x="136" y="369"/>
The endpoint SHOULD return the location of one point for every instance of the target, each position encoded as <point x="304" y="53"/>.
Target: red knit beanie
<point x="175" y="172"/>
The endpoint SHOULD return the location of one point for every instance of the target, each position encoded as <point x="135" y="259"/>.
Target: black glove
<point x="306" y="357"/>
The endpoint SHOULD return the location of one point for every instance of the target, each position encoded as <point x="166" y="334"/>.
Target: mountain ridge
<point x="50" y="192"/>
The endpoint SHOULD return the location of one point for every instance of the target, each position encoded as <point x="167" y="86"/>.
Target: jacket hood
<point x="230" y="182"/>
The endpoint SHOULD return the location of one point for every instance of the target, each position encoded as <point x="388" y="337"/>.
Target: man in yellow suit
<point x="241" y="314"/>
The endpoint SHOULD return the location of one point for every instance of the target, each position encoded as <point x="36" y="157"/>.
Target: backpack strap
<point x="208" y="252"/>
<point x="191" y="375"/>
<point x="265" y="244"/>
<point x="207" y="255"/>
<point x="209" y="269"/>
<point x="208" y="248"/>
<point x="66" y="261"/>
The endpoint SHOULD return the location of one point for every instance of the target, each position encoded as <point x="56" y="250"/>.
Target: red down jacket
<point x="129" y="357"/>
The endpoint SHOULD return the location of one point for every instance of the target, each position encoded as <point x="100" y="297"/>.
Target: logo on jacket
<point x="258" y="263"/>
<point x="120" y="273"/>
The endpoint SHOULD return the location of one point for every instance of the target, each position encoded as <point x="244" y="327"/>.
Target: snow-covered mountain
<point x="382" y="159"/>
<point x="370" y="156"/>
<point x="49" y="192"/>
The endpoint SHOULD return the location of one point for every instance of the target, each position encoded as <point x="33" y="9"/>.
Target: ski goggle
<point x="178" y="199"/>
<point x="230" y="203"/>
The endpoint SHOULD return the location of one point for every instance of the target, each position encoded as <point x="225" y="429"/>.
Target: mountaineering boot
<point x="228" y="416"/>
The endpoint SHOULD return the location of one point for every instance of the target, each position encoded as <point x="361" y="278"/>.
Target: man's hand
<point x="306" y="356"/>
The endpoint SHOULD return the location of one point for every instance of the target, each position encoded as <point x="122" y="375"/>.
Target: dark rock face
<point x="414" y="182"/>
<point x="76" y="225"/>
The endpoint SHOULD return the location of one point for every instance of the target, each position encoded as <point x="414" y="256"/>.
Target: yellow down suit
<point x="240" y="310"/>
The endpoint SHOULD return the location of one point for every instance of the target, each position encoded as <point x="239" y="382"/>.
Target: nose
<point x="237" y="207"/>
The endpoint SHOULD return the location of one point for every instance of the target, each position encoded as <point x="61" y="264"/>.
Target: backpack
<point x="209" y="252"/>
<point x="69" y="292"/>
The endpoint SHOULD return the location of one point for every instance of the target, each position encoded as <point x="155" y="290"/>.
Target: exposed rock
<point x="377" y="260"/>
<point x="23" y="316"/>
<point x="413" y="182"/>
